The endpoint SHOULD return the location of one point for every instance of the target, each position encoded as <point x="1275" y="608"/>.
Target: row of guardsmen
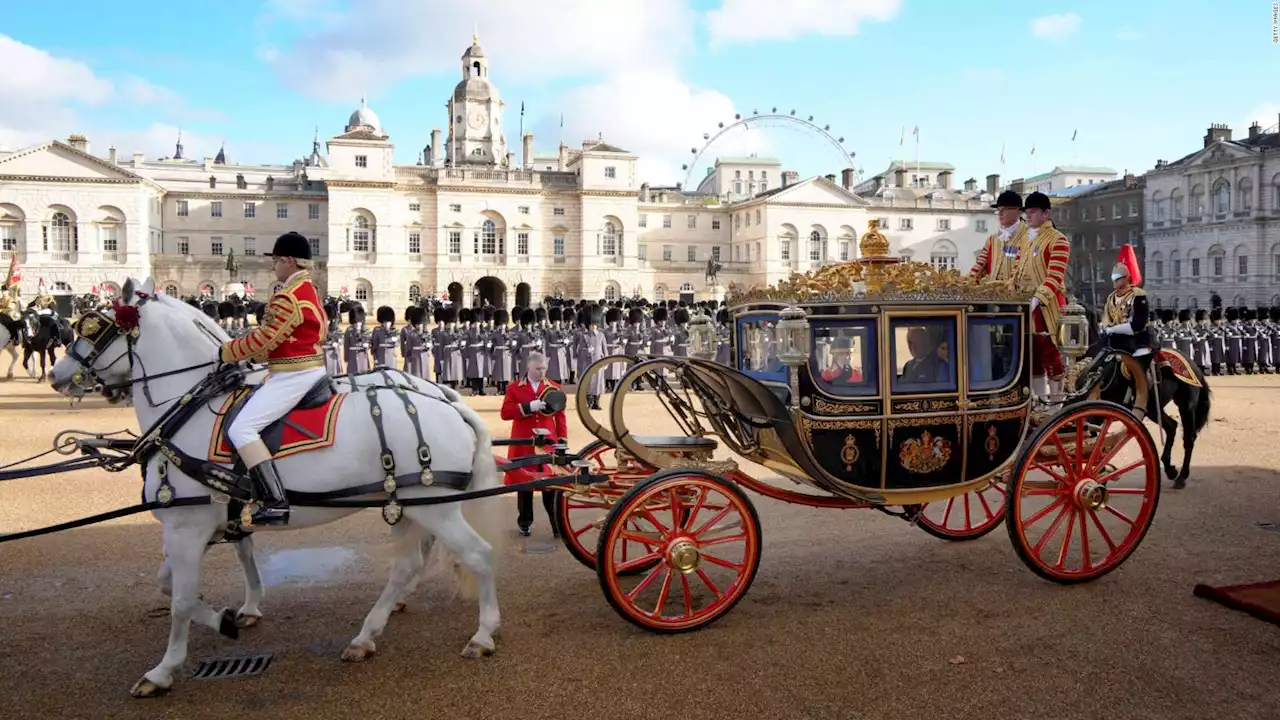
<point x="478" y="348"/>
<point x="1233" y="341"/>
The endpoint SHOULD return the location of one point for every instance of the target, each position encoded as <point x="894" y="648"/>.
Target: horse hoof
<point x="1171" y="473"/>
<point x="1179" y="484"/>
<point x="228" y="625"/>
<point x="355" y="653"/>
<point x="399" y="607"/>
<point x="475" y="651"/>
<point x="247" y="621"/>
<point x="144" y="688"/>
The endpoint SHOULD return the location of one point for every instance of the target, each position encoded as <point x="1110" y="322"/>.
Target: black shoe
<point x="274" y="508"/>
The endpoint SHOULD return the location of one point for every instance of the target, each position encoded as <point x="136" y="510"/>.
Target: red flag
<point x="94" y="290"/>
<point x="14" y="274"/>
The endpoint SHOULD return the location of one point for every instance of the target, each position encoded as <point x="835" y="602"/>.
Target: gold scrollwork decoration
<point x="925" y="454"/>
<point x="971" y="420"/>
<point x="808" y="425"/>
<point x="895" y="423"/>
<point x="1008" y="398"/>
<point x="849" y="453"/>
<point x="826" y="406"/>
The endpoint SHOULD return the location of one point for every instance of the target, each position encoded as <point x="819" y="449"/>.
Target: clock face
<point x="477" y="119"/>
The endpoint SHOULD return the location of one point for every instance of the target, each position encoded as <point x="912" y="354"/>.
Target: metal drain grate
<point x="226" y="668"/>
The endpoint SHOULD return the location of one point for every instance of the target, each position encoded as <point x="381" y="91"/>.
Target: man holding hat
<point x="290" y="337"/>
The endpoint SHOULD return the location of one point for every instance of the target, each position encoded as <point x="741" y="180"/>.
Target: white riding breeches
<point x="279" y="393"/>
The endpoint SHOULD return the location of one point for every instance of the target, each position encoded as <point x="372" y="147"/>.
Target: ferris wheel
<point x="778" y="121"/>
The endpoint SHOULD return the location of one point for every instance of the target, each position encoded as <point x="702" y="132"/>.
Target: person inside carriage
<point x="926" y="365"/>
<point x="841" y="372"/>
<point x="1127" y="311"/>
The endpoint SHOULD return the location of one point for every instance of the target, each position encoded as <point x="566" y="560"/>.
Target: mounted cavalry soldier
<point x="291" y="339"/>
<point x="1126" y="313"/>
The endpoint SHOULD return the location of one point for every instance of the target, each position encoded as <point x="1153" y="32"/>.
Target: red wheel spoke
<point x="1087" y="562"/>
<point x="648" y="580"/>
<point x="1043" y="492"/>
<point x="688" y="595"/>
<point x="1053" y="529"/>
<point x="1048" y="509"/>
<point x="717" y="518"/>
<point x="710" y="585"/>
<point x="637" y="563"/>
<point x="1045" y="469"/>
<point x="1101" y="530"/>
<point x="968" y="519"/>
<point x="662" y="593"/>
<point x="721" y="562"/>
<point x="722" y="540"/>
<point x="677" y="523"/>
<point x="1106" y="458"/>
<point x="1127" y="491"/>
<point x="648" y="515"/>
<point x="1080" y="461"/>
<point x="985" y="507"/>
<point x="1120" y="515"/>
<point x="584" y="506"/>
<point x="1097" y="447"/>
<point x="1117" y="473"/>
<point x="946" y="514"/>
<point x="1066" y="541"/>
<point x="697" y="508"/>
<point x="640" y="539"/>
<point x="585" y="528"/>
<point x="1062" y="456"/>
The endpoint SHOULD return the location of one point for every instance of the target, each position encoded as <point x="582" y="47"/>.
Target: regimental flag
<point x="1001" y="153"/>
<point x="1073" y="135"/>
<point x="15" y="273"/>
<point x="521" y="108"/>
<point x="562" y="120"/>
<point x="916" y="132"/>
<point x="902" y="136"/>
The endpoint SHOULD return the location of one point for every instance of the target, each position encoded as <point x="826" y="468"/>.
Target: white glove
<point x="1035" y="303"/>
<point x="1107" y="330"/>
<point x="537" y="406"/>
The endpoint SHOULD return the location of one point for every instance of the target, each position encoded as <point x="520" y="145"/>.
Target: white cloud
<point x="29" y="75"/>
<point x="1055" y="26"/>
<point x="656" y="115"/>
<point x="374" y="44"/>
<point x="168" y="101"/>
<point x="738" y="21"/>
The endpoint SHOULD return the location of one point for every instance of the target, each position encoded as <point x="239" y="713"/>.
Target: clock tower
<point x="475" y="122"/>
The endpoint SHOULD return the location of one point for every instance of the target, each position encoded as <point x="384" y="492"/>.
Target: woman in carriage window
<point x="926" y="366"/>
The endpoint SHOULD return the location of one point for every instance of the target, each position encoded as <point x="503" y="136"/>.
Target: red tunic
<point x="515" y="407"/>
<point x="292" y="332"/>
<point x="846" y="374"/>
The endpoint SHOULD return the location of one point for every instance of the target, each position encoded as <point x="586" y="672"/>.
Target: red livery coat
<point x="292" y="331"/>
<point x="515" y="407"/>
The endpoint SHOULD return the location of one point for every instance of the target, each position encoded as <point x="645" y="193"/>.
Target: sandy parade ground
<point x="853" y="614"/>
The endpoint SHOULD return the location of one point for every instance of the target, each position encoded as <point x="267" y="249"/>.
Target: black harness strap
<point x="424" y="450"/>
<point x="391" y="511"/>
<point x="103" y="517"/>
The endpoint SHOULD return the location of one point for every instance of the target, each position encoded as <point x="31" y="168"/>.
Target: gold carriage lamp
<point x="702" y="335"/>
<point x="793" y="337"/>
<point x="1073" y="331"/>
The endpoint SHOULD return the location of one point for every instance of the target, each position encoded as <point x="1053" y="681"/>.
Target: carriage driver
<point x="1126" y="311"/>
<point x="291" y="336"/>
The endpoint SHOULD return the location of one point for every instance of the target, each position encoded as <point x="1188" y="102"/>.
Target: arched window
<point x="815" y="246"/>
<point x="686" y="288"/>
<point x="660" y="293"/>
<point x="60" y="235"/>
<point x="1222" y="196"/>
<point x="415" y="292"/>
<point x="488" y="238"/>
<point x="1157" y="202"/>
<point x="61" y="287"/>
<point x="171" y="290"/>
<point x="557" y="291"/>
<point x="1175" y="203"/>
<point x="611" y="291"/>
<point x="1196" y="206"/>
<point x="609" y="240"/>
<point x="362" y="292"/>
<point x="944" y="255"/>
<point x="207" y="289"/>
<point x="361" y="235"/>
<point x="1244" y="195"/>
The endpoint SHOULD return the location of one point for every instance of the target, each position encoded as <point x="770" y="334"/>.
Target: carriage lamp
<point x="702" y="335"/>
<point x="1073" y="331"/>
<point x="793" y="337"/>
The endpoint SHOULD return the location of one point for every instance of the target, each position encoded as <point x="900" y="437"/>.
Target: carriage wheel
<point x="1083" y="492"/>
<point x="579" y="516"/>
<point x="705" y="541"/>
<point x="965" y="517"/>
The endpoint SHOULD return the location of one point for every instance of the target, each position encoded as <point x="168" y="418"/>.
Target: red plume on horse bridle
<point x="126" y="316"/>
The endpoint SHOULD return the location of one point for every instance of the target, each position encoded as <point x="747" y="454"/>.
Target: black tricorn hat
<point x="385" y="314"/>
<point x="291" y="244"/>
<point x="1009" y="199"/>
<point x="1037" y="201"/>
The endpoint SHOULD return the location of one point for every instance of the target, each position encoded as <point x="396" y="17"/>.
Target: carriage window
<point x="923" y="361"/>
<point x="993" y="352"/>
<point x="842" y="358"/>
<point x="758" y="347"/>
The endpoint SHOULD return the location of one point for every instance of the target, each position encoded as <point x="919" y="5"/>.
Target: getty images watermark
<point x="1275" y="23"/>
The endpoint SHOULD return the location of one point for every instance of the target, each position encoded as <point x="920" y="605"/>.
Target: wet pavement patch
<point x="304" y="565"/>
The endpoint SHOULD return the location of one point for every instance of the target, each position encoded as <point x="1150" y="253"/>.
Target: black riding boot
<point x="274" y="508"/>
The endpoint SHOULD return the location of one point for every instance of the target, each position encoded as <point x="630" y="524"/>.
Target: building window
<point x="523" y="209"/>
<point x="313" y="211"/>
<point x="8" y="240"/>
<point x="757" y="216"/>
<point x="362" y="293"/>
<point x="241" y="183"/>
<point x="110" y="239"/>
<point x="737" y="188"/>
<point x="815" y="246"/>
<point x="1217" y="266"/>
<point x="182" y="208"/>
<point x="737" y="222"/>
<point x="360" y="236"/>
<point x="1243" y="265"/>
<point x="558" y="212"/>
<point x="1133" y="209"/>
<point x="415" y="243"/>
<point x="215" y="245"/>
<point x="844" y="250"/>
<point x="250" y="247"/>
<point x="488" y="238"/>
<point x="980" y="225"/>
<point x="1195" y="267"/>
<point x="282" y="211"/>
<point x="905" y="224"/>
<point x="250" y="210"/>
<point x="763" y="186"/>
<point x="455" y="207"/>
<point x="610" y="292"/>
<point x="944" y="224"/>
<point x="455" y="242"/>
<point x="660" y="293"/>
<point x="644" y="220"/>
<point x="609" y="240"/>
<point x="642" y="251"/>
<point x="184" y="246"/>
<point x="693" y="253"/>
<point x="60" y="235"/>
<point x="1115" y="210"/>
<point x="1160" y="268"/>
<point x="522" y="244"/>
<point x="213" y="182"/>
<point x="666" y="253"/>
<point x="315" y="246"/>
<point x="1177" y="270"/>
<point x="557" y="246"/>
<point x="415" y="292"/>
<point x="414" y="206"/>
<point x="784" y="250"/>
<point x="362" y="161"/>
<point x="171" y="290"/>
<point x="693" y="222"/>
<point x="666" y="221"/>
<point x="715" y="223"/>
<point x="715" y="253"/>
<point x="215" y="208"/>
<point x="610" y="171"/>
<point x="943" y="261"/>
<point x="1222" y="196"/>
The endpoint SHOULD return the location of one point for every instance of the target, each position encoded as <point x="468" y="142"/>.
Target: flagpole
<point x="902" y="153"/>
<point x="917" y="134"/>
<point x="524" y="161"/>
<point x="1075" y="148"/>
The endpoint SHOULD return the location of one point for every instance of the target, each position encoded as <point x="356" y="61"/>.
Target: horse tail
<point x="1203" y="402"/>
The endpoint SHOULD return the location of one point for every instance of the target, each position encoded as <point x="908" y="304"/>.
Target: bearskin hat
<point x="528" y="317"/>
<point x="682" y="316"/>
<point x="414" y="314"/>
<point x="1184" y="315"/>
<point x="1233" y="314"/>
<point x="1215" y="315"/>
<point x="438" y="314"/>
<point x="659" y="314"/>
<point x="486" y="313"/>
<point x="634" y="316"/>
<point x="540" y="315"/>
<point x="463" y="315"/>
<point x="1200" y="315"/>
<point x="355" y="315"/>
<point x="1246" y="313"/>
<point x="555" y="314"/>
<point x="451" y="314"/>
<point x="583" y="317"/>
<point x="672" y="304"/>
<point x="1215" y="301"/>
<point x="1275" y="314"/>
<point x="501" y="317"/>
<point x="595" y="315"/>
<point x="613" y="315"/>
<point x="385" y="314"/>
<point x="408" y="312"/>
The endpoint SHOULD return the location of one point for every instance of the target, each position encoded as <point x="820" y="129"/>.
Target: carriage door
<point x="997" y="374"/>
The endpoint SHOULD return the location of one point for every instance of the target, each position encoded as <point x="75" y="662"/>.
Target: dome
<point x="474" y="89"/>
<point x="363" y="116"/>
<point x="475" y="51"/>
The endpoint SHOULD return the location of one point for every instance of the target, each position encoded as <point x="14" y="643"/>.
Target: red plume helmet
<point x="1128" y="260"/>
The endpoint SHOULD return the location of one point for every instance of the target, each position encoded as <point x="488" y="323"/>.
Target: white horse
<point x="11" y="342"/>
<point x="174" y="349"/>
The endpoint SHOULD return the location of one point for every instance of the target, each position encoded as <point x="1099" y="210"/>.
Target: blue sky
<point x="1139" y="80"/>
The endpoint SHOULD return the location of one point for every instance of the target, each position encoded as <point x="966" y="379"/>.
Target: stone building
<point x="1099" y="219"/>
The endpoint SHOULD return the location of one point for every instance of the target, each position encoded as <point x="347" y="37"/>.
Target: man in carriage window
<point x="1126" y="310"/>
<point x="841" y="371"/>
<point x="926" y="366"/>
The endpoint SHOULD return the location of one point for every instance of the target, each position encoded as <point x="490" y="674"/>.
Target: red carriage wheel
<point x="1083" y="492"/>
<point x="579" y="516"/>
<point x="702" y="551"/>
<point x="965" y="517"/>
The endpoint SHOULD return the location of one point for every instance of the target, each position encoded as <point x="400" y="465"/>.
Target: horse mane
<point x="184" y="310"/>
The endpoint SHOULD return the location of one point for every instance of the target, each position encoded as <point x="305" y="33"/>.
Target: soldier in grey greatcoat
<point x="355" y="343"/>
<point x="475" y="349"/>
<point x="500" y="353"/>
<point x="591" y="349"/>
<point x="453" y="340"/>
<point x="383" y="338"/>
<point x="722" y="337"/>
<point x="614" y="344"/>
<point x="529" y="338"/>
<point x="333" y="345"/>
<point x="680" y="335"/>
<point x="556" y="339"/>
<point x="414" y="344"/>
<point x="439" y="338"/>
<point x="634" y="337"/>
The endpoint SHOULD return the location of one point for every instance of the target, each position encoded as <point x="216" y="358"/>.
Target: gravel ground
<point x="852" y="615"/>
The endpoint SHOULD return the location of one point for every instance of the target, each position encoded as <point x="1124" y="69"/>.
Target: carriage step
<point x="227" y="668"/>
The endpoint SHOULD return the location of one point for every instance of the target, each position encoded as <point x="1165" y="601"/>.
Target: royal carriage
<point x="871" y="384"/>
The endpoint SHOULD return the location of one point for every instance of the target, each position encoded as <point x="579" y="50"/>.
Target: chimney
<point x="437" y="157"/>
<point x="564" y="157"/>
<point x="111" y="155"/>
<point x="644" y="192"/>
<point x="944" y="179"/>
<point x="1216" y="132"/>
<point x="79" y="142"/>
<point x="970" y="185"/>
<point x="138" y="158"/>
<point x="1130" y="180"/>
<point x="830" y="178"/>
<point x="900" y="178"/>
<point x="527" y="148"/>
<point x="790" y="177"/>
<point x="846" y="178"/>
<point x="993" y="184"/>
<point x="511" y="161"/>
<point x="1255" y="130"/>
<point x="1017" y="186"/>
